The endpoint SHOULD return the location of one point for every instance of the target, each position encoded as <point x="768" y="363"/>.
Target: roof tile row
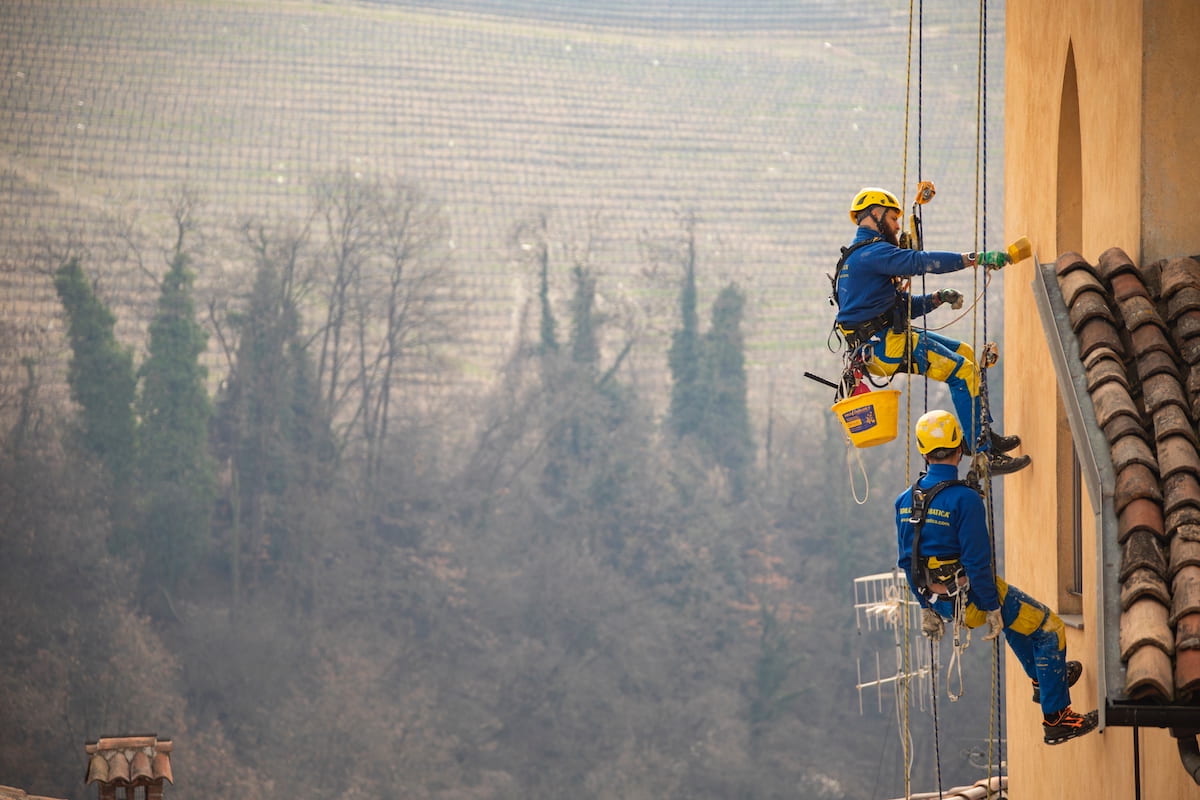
<point x="129" y="761"/>
<point x="1139" y="338"/>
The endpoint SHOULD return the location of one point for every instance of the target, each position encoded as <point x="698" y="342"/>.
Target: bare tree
<point x="386" y="283"/>
<point x="342" y="205"/>
<point x="410" y="230"/>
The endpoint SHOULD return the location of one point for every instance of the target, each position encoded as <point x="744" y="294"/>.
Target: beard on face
<point x="890" y="236"/>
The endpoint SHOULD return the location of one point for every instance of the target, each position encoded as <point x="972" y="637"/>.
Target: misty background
<point x="406" y="399"/>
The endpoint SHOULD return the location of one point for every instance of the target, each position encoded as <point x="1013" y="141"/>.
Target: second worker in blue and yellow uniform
<point x="945" y="552"/>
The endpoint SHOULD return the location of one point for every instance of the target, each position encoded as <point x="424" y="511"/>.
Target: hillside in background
<point x="520" y="570"/>
<point x="615" y="122"/>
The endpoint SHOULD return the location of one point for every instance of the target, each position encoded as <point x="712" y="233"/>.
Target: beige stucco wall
<point x="1137" y="154"/>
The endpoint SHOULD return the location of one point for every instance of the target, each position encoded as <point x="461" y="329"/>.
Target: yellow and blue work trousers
<point x="937" y="357"/>
<point x="1035" y="634"/>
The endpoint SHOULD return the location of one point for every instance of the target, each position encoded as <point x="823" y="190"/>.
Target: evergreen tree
<point x="176" y="479"/>
<point x="726" y="423"/>
<point x="687" y="400"/>
<point x="547" y="325"/>
<point x="100" y="374"/>
<point x="270" y="424"/>
<point x="584" y="349"/>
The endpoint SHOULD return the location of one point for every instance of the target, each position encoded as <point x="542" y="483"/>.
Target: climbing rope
<point x="977" y="309"/>
<point x="995" y="730"/>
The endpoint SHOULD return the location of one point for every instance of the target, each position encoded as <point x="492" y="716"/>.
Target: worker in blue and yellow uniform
<point x="944" y="521"/>
<point x="874" y="312"/>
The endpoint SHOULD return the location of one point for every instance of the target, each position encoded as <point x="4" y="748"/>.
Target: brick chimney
<point x="122" y="764"/>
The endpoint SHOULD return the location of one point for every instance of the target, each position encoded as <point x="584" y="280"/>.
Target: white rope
<point x="852" y="455"/>
<point x="960" y="645"/>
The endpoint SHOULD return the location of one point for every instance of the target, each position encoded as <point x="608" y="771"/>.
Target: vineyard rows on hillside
<point x="615" y="132"/>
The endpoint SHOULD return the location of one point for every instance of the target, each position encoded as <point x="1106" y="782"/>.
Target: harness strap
<point x="922" y="500"/>
<point x="837" y="273"/>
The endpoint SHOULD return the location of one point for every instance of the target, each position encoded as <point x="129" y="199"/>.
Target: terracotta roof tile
<point x="1069" y="261"/>
<point x="1189" y="350"/>
<point x="1142" y="550"/>
<point x="1099" y="332"/>
<point x="1162" y="388"/>
<point x="1153" y="362"/>
<point x="1089" y="306"/>
<point x="1103" y="370"/>
<point x="1100" y="353"/>
<point x="1179" y="273"/>
<point x="1185" y="593"/>
<point x="1187" y="633"/>
<point x="1141" y="583"/>
<point x="991" y="788"/>
<point x="1149" y="339"/>
<point x="1187" y="673"/>
<point x="1180" y="490"/>
<point x="1139" y="340"/>
<point x="1113" y="262"/>
<point x="1134" y="481"/>
<point x="1181" y="517"/>
<point x="1112" y="399"/>
<point x="129" y="761"/>
<point x="1138" y="310"/>
<point x="13" y="793"/>
<point x="1187" y="325"/>
<point x="1184" y="549"/>
<point x="1124" y="286"/>
<point x="1124" y="425"/>
<point x="1172" y="420"/>
<point x="1141" y="514"/>
<point x="1182" y="301"/>
<point x="1176" y="454"/>
<point x="1148" y="674"/>
<point x="1082" y="280"/>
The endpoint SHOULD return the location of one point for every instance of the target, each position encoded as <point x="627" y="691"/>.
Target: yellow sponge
<point x="1020" y="250"/>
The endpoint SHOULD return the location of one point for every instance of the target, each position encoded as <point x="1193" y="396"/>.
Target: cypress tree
<point x="687" y="400"/>
<point x="175" y="473"/>
<point x="726" y="426"/>
<point x="100" y="374"/>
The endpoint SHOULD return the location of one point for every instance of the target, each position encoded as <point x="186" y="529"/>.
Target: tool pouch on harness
<point x="936" y="577"/>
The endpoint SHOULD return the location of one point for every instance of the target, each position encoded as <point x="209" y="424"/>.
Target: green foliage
<point x="547" y="325"/>
<point x="175" y="470"/>
<point x="684" y="359"/>
<point x="726" y="422"/>
<point x="773" y="670"/>
<point x="708" y="392"/>
<point x="585" y="350"/>
<point x="271" y="426"/>
<point x="100" y="375"/>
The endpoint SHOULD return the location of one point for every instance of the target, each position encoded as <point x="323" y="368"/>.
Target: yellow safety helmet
<point x="872" y="196"/>
<point x="937" y="429"/>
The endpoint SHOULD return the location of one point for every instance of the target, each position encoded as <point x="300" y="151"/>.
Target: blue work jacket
<point x="865" y="289"/>
<point x="955" y="525"/>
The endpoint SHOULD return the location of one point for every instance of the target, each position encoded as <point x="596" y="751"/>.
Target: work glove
<point x="995" y="623"/>
<point x="951" y="296"/>
<point x="993" y="259"/>
<point x="932" y="624"/>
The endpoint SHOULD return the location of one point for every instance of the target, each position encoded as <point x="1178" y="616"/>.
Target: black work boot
<point x="1074" y="670"/>
<point x="1001" y="464"/>
<point x="1066" y="724"/>
<point x="1002" y="443"/>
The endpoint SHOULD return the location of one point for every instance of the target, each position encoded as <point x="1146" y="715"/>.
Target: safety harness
<point x="934" y="570"/>
<point x="858" y="338"/>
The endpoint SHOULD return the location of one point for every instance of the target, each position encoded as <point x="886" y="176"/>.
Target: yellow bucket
<point x="869" y="418"/>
